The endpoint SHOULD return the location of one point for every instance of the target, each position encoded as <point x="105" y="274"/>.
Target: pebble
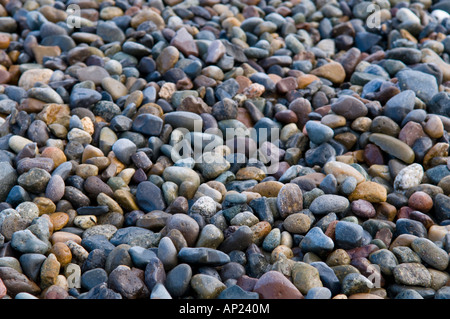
<point x="16" y="282"/>
<point x="349" y="107"/>
<point x="305" y="277"/>
<point x="318" y="133"/>
<point x="273" y="285"/>
<point x="393" y="146"/>
<point x="329" y="203"/>
<point x="317" y="242"/>
<point x="26" y="242"/>
<point x="149" y="197"/>
<point x="124" y="281"/>
<point x="206" y="286"/>
<point x="356" y="284"/>
<point x="93" y="277"/>
<point x="369" y="191"/>
<point x="178" y="279"/>
<point x="289" y="200"/>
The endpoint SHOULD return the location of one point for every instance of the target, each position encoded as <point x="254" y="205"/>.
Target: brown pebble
<point x="286" y="116"/>
<point x="62" y="236"/>
<point x="386" y="211"/>
<point x="59" y="220"/>
<point x="260" y="231"/>
<point x="62" y="253"/>
<point x="434" y="127"/>
<point x="55" y="154"/>
<point x="274" y="285"/>
<point x="268" y="189"/>
<point x="420" y="201"/>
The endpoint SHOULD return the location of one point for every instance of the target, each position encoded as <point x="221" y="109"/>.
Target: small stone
<point x="16" y="282"/>
<point x="178" y="279"/>
<point x="148" y="124"/>
<point x="167" y="253"/>
<point x="186" y="225"/>
<point x="424" y="85"/>
<point x="430" y="253"/>
<point x="289" y="200"/>
<point x="317" y="242"/>
<point x="216" y="50"/>
<point x="318" y="293"/>
<point x="55" y="188"/>
<point x="305" y="277"/>
<point x="206" y="287"/>
<point x="385" y="259"/>
<point x="239" y="240"/>
<point x="332" y="71"/>
<point x="30" y="77"/>
<point x="434" y="127"/>
<point x="420" y="201"/>
<point x="349" y="107"/>
<point x="297" y="223"/>
<point x="318" y="133"/>
<point x="393" y="146"/>
<point x="273" y="285"/>
<point x="363" y="208"/>
<point x="149" y="197"/>
<point x="8" y="176"/>
<point x="369" y="191"/>
<point x="329" y="203"/>
<point x="184" y="42"/>
<point x="355" y="284"/>
<point x="114" y="87"/>
<point x="85" y="222"/>
<point x="123" y="149"/>
<point x="49" y="271"/>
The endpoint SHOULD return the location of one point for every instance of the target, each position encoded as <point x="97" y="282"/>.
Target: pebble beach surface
<point x="223" y="149"/>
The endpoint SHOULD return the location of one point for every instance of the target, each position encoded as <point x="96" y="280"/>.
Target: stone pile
<point x="224" y="149"/>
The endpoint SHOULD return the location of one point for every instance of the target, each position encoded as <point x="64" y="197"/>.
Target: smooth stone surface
<point x="393" y="146"/>
<point x="329" y="203"/>
<point x="273" y="285"/>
